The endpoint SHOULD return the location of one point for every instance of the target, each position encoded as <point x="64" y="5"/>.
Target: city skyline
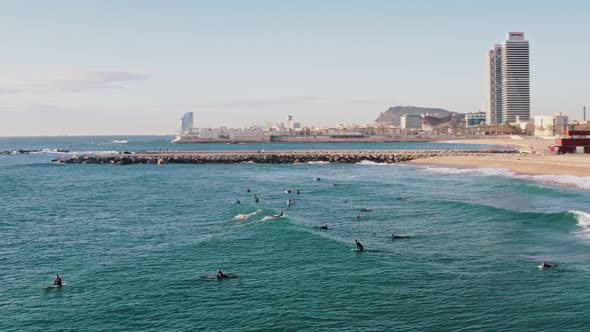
<point x="107" y="68"/>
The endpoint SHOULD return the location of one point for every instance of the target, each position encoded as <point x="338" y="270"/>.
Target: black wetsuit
<point x="57" y="282"/>
<point x="359" y="246"/>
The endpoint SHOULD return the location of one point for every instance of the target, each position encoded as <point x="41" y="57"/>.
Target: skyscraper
<point x="508" y="97"/>
<point x="494" y="85"/>
<point x="186" y="123"/>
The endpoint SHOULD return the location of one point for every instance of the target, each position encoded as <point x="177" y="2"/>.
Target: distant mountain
<point x="393" y="114"/>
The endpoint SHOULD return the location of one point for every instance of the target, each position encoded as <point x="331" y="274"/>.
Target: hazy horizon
<point x="110" y="68"/>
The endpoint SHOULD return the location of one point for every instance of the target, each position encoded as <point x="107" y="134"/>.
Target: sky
<point x="107" y="67"/>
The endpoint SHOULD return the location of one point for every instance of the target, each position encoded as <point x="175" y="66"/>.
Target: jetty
<point x="269" y="156"/>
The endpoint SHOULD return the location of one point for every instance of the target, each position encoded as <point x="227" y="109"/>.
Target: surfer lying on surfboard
<point x="393" y="236"/>
<point x="219" y="275"/>
<point x="545" y="266"/>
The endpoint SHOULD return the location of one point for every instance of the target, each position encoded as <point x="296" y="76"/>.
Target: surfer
<point x="393" y="236"/>
<point x="545" y="265"/>
<point x="316" y="179"/>
<point x="57" y="280"/>
<point x="256" y="198"/>
<point x="237" y="201"/>
<point x="220" y="274"/>
<point x="402" y="198"/>
<point x="289" y="201"/>
<point x="288" y="191"/>
<point x="365" y="209"/>
<point x="358" y="216"/>
<point x="298" y="192"/>
<point x="247" y="190"/>
<point x="359" y="246"/>
<point x="324" y="227"/>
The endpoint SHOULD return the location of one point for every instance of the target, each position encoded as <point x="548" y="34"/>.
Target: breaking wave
<point x="559" y="180"/>
<point x="247" y="215"/>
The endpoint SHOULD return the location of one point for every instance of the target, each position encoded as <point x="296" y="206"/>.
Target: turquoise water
<point x="130" y="242"/>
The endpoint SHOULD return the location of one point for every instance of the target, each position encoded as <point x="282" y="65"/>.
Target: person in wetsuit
<point x="393" y="236"/>
<point x="220" y="274"/>
<point x="57" y="280"/>
<point x="545" y="265"/>
<point x="359" y="246"/>
<point x="324" y="227"/>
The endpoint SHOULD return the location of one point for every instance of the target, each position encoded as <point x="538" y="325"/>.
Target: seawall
<point x="269" y="157"/>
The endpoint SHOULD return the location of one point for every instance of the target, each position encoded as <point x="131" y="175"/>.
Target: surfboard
<point x="56" y="286"/>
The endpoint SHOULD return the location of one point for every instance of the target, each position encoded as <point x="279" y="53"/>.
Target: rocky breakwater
<point x="270" y="157"/>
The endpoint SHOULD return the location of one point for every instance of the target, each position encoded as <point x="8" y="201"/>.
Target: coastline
<point x="524" y="164"/>
<point x="524" y="144"/>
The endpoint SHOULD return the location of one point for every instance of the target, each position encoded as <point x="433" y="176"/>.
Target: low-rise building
<point x="408" y="121"/>
<point x="474" y="119"/>
<point x="550" y="125"/>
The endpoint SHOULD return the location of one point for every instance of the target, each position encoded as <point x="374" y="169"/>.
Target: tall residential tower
<point x="494" y="86"/>
<point x="508" y="97"/>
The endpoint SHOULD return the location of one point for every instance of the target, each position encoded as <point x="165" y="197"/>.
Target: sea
<point x="132" y="243"/>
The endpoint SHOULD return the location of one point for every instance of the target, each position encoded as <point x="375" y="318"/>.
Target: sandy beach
<point x="524" y="143"/>
<point x="533" y="159"/>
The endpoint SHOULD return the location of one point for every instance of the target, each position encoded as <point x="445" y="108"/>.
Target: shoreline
<point x="522" y="164"/>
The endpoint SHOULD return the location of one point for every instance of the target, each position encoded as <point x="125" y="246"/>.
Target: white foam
<point x="559" y="180"/>
<point x="372" y="163"/>
<point x="318" y="162"/>
<point x="582" y="182"/>
<point x="583" y="219"/>
<point x="247" y="215"/>
<point x="120" y="142"/>
<point x="275" y="216"/>
<point x="477" y="171"/>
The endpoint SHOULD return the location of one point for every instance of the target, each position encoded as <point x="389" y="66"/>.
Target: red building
<point x="572" y="142"/>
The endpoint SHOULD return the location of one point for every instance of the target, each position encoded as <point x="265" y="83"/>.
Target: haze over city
<point x="77" y="67"/>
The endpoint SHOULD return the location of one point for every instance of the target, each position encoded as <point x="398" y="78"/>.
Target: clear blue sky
<point x="115" y="67"/>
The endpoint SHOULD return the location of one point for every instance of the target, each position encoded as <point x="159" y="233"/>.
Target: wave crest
<point x="246" y="215"/>
<point x="583" y="220"/>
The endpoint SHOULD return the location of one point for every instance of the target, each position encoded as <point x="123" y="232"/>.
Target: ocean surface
<point x="131" y="242"/>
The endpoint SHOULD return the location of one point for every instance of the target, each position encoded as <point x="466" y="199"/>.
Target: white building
<point x="186" y="123"/>
<point x="408" y="121"/>
<point x="516" y="89"/>
<point x="550" y="125"/>
<point x="210" y="133"/>
<point x="474" y="119"/>
<point x="508" y="81"/>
